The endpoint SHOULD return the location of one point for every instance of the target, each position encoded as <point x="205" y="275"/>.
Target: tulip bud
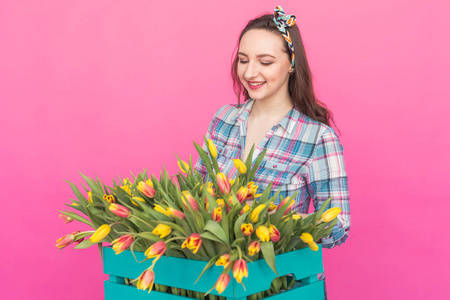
<point x="156" y="250"/>
<point x="193" y="242"/>
<point x="272" y="207"/>
<point x="212" y="149"/>
<point x="274" y="233"/>
<point x="122" y="243"/>
<point x="127" y="189"/>
<point x="210" y="189"/>
<point x="189" y="198"/>
<point x="119" y="210"/>
<point x="306" y="238"/>
<point x="254" y="215"/>
<point x="146" y="280"/>
<point x="184" y="166"/>
<point x="217" y="214"/>
<point x="313" y="246"/>
<point x="222" y="283"/>
<point x="223" y="183"/>
<point x="240" y="166"/>
<point x="254" y="247"/>
<point x="220" y="202"/>
<point x="224" y="261"/>
<point x="242" y="194"/>
<point x="247" y="229"/>
<point x="245" y="209"/>
<point x="162" y="230"/>
<point x="161" y="209"/>
<point x="176" y="213"/>
<point x="286" y="200"/>
<point x="65" y="240"/>
<point x="100" y="233"/>
<point x="90" y="197"/>
<point x="146" y="189"/>
<point x="240" y="270"/>
<point x="66" y="218"/>
<point x="262" y="232"/>
<point x="133" y="199"/>
<point x="330" y="215"/>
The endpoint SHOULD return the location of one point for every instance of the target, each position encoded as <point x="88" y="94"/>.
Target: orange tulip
<point x="223" y="183"/>
<point x="274" y="233"/>
<point x="66" y="218"/>
<point x="242" y="194"/>
<point x="193" y="242"/>
<point x="286" y="200"/>
<point x="254" y="247"/>
<point x="240" y="270"/>
<point x="222" y="283"/>
<point x="189" y="198"/>
<point x="65" y="240"/>
<point x="122" y="243"/>
<point x="224" y="261"/>
<point x="247" y="229"/>
<point x="176" y="213"/>
<point x="146" y="280"/>
<point x="217" y="214"/>
<point x="146" y="189"/>
<point x="109" y="198"/>
<point x="119" y="210"/>
<point x="156" y="250"/>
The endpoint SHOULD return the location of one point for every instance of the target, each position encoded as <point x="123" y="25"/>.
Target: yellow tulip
<point x="245" y="209"/>
<point x="330" y="215"/>
<point x="306" y="238"/>
<point x="247" y="229"/>
<point x="254" y="215"/>
<point x="240" y="166"/>
<point x="184" y="166"/>
<point x="220" y="202"/>
<point x="161" y="209"/>
<point x="162" y="230"/>
<point x="240" y="270"/>
<point x="90" y="197"/>
<point x="313" y="246"/>
<point x="146" y="280"/>
<point x="100" y="233"/>
<point x="137" y="199"/>
<point x="263" y="233"/>
<point x="212" y="148"/>
<point x="127" y="189"/>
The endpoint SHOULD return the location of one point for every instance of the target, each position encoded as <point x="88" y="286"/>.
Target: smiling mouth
<point x="255" y="83"/>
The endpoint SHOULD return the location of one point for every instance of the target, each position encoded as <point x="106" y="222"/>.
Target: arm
<point x="326" y="178"/>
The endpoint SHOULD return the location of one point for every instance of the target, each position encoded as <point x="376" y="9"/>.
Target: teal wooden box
<point x="182" y="273"/>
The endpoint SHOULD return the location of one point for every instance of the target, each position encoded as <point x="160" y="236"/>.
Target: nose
<point x="251" y="71"/>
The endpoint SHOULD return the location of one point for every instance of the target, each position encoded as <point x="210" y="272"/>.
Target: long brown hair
<point x="300" y="82"/>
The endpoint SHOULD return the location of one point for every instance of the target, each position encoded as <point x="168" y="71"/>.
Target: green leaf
<point x="217" y="230"/>
<point x="212" y="237"/>
<point x="84" y="244"/>
<point x="211" y="262"/>
<point x="149" y="236"/>
<point x="269" y="255"/>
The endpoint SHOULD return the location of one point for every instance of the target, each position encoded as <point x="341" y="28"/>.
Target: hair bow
<point x="282" y="21"/>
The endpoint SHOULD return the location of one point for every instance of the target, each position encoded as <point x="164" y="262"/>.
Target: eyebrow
<point x="259" y="55"/>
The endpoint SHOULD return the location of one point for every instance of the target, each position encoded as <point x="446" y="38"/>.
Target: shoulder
<point x="226" y="112"/>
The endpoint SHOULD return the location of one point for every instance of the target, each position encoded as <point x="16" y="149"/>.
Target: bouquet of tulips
<point x="216" y="219"/>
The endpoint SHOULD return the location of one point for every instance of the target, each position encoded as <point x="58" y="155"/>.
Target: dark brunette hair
<point x="300" y="82"/>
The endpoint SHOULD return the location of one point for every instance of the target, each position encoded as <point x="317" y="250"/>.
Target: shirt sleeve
<point x="326" y="178"/>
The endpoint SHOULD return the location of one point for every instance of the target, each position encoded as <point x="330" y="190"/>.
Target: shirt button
<point x="220" y="151"/>
<point x="275" y="166"/>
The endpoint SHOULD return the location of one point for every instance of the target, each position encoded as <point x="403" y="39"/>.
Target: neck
<point x="271" y="109"/>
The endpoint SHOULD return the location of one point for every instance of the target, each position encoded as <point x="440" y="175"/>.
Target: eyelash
<point x="263" y="63"/>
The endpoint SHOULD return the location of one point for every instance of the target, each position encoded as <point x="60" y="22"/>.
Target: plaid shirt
<point x="302" y="155"/>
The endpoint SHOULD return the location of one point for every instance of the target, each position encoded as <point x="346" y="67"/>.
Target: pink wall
<point x="109" y="87"/>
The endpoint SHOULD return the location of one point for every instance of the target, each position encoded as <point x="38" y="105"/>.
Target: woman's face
<point x="263" y="66"/>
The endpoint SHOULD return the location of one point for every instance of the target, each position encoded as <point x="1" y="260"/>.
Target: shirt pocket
<point x="224" y="158"/>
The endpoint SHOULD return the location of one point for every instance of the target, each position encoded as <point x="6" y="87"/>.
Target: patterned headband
<point x="282" y="21"/>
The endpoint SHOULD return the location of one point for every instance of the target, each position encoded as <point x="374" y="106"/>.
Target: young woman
<point x="282" y="115"/>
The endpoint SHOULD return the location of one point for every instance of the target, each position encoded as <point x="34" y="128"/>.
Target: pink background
<point x="109" y="87"/>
